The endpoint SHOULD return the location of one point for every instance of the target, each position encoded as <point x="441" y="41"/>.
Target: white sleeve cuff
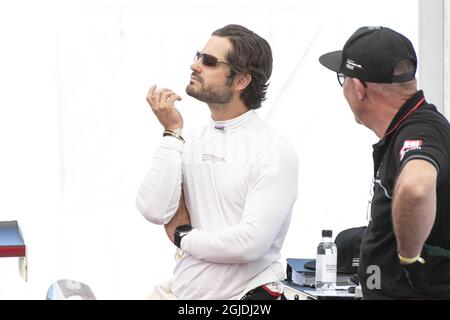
<point x="172" y="143"/>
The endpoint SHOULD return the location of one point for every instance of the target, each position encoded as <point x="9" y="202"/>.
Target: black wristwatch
<point x="180" y="232"/>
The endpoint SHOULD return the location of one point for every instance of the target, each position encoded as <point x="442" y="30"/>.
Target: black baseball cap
<point x="371" y="54"/>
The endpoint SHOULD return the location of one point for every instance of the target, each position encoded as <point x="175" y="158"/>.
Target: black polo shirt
<point x="418" y="131"/>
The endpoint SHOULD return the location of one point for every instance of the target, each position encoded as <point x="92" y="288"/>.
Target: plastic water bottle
<point x="326" y="261"/>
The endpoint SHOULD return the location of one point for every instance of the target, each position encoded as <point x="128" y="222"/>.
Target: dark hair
<point x="251" y="54"/>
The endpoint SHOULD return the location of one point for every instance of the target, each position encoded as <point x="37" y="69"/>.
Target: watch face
<point x="184" y="228"/>
<point x="180" y="232"/>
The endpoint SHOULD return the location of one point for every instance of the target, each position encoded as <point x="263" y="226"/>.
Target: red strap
<point x="272" y="293"/>
<point x="404" y="118"/>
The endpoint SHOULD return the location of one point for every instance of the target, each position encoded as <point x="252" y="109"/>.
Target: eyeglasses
<point x="341" y="79"/>
<point x="208" y="60"/>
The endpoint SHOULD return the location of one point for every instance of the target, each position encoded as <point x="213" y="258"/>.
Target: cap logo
<point x="374" y="27"/>
<point x="351" y="65"/>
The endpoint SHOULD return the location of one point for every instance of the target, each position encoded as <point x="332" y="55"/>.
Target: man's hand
<point x="162" y="102"/>
<point x="180" y="217"/>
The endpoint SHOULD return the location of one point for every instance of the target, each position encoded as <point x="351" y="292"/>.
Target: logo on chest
<point x="212" y="158"/>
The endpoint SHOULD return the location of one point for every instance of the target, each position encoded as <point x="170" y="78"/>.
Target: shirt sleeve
<point x="423" y="141"/>
<point x="272" y="193"/>
<point x="159" y="195"/>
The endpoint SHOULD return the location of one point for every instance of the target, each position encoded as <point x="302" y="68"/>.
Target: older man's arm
<point x="414" y="206"/>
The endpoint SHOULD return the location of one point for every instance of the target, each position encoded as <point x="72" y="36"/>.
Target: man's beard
<point x="211" y="95"/>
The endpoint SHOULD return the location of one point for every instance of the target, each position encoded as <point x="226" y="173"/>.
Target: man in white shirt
<point x="224" y="193"/>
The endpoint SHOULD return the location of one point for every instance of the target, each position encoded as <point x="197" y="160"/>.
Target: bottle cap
<point x="327" y="233"/>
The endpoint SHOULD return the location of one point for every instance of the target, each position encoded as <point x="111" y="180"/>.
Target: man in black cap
<point x="405" y="252"/>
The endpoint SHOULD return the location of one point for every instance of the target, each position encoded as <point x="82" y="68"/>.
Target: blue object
<point x="10" y="234"/>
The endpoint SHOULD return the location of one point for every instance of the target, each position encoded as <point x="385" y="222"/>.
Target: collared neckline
<point x="235" y="123"/>
<point x="406" y="110"/>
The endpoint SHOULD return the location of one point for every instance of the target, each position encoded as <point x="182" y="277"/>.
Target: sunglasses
<point x="207" y="59"/>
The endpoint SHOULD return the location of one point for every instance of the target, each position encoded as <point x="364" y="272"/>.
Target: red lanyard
<point x="404" y="118"/>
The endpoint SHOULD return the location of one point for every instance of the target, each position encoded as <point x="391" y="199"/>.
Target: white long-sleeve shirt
<point x="240" y="183"/>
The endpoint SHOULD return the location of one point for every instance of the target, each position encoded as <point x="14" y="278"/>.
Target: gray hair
<point x="404" y="88"/>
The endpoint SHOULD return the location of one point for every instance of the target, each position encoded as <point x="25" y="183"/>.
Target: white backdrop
<point x="77" y="135"/>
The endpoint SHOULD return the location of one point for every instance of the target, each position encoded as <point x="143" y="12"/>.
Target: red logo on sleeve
<point x="409" y="145"/>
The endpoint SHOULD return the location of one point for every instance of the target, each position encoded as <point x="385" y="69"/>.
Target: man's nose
<point x="196" y="66"/>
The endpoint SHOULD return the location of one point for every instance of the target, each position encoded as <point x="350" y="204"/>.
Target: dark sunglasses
<point x="207" y="59"/>
<point x="341" y="79"/>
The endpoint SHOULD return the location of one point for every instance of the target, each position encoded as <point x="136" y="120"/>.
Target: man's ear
<point x="359" y="88"/>
<point x="241" y="81"/>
